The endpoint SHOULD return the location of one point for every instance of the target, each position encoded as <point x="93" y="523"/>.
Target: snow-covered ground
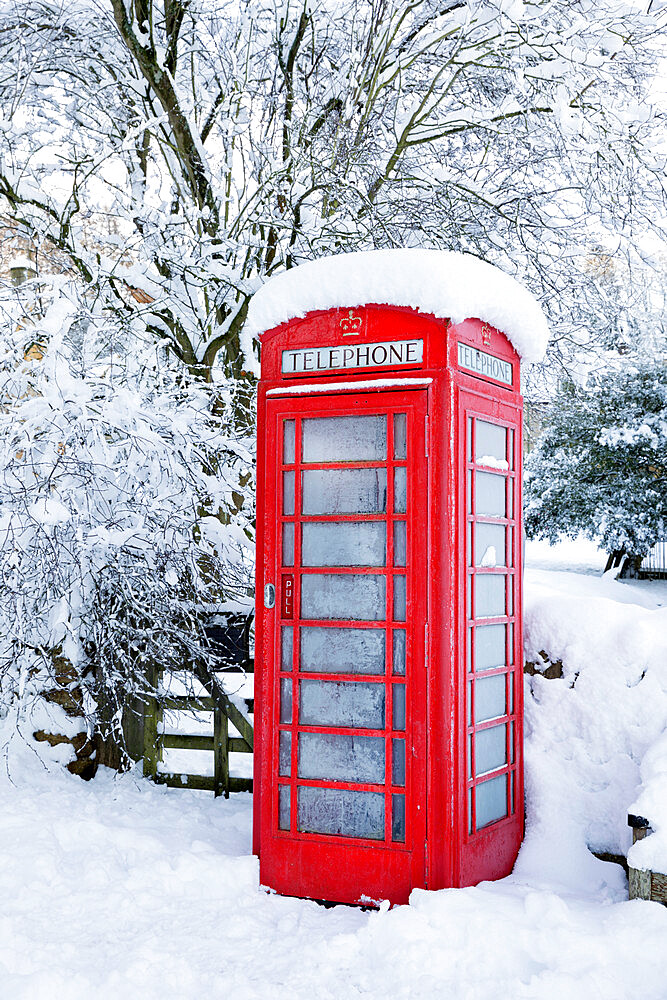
<point x="118" y="888"/>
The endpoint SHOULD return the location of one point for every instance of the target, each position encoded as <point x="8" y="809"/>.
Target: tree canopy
<point x="190" y="148"/>
<point x="600" y="467"/>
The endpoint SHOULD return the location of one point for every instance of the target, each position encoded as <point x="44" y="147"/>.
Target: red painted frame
<point x="322" y="867"/>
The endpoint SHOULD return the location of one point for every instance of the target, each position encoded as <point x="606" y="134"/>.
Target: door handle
<point x="269" y="596"/>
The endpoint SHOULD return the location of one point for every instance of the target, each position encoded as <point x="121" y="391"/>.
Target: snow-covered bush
<point x="599" y="468"/>
<point x="121" y="509"/>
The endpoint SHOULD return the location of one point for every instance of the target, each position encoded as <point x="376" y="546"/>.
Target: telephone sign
<point x="388" y="702"/>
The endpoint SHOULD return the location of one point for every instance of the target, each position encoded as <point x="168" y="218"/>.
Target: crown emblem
<point x="351" y="324"/>
<point x="486" y="335"/>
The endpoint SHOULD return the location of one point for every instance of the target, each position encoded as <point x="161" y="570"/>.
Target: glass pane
<point x="333" y="596"/>
<point x="511" y="742"/>
<point x="489" y="544"/>
<point x="489" y="494"/>
<point x="489" y="596"/>
<point x="344" y="704"/>
<point x="288" y="442"/>
<point x="489" y="697"/>
<point x="400" y="533"/>
<point x="398" y="762"/>
<point x="400" y="435"/>
<point x="490" y="749"/>
<point x="469" y="440"/>
<point x="489" y="646"/>
<point x="399" y="652"/>
<point x="286" y="699"/>
<point x="400" y="490"/>
<point x="288" y="544"/>
<point x="334" y="757"/>
<point x="344" y="543"/>
<point x="491" y="800"/>
<point x="399" y="598"/>
<point x="398" y="818"/>
<point x="344" y="491"/>
<point x="340" y="812"/>
<point x="344" y="439"/>
<point x="284" y="798"/>
<point x="510" y="452"/>
<point x="286" y="643"/>
<point x="399" y="706"/>
<point x="343" y="650"/>
<point x="285" y="754"/>
<point x="288" y="492"/>
<point x="490" y="442"/>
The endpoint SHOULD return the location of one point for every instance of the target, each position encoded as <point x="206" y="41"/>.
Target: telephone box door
<point x="343" y="809"/>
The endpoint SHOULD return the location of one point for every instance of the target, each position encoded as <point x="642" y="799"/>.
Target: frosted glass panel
<point x="490" y="494"/>
<point x="491" y="800"/>
<point x="288" y="442"/>
<point x="288" y="492"/>
<point x="489" y="646"/>
<point x="399" y="706"/>
<point x="344" y="491"/>
<point x="344" y="543"/>
<point x="350" y="595"/>
<point x="288" y="544"/>
<point x="399" y="598"/>
<point x="400" y="490"/>
<point x="286" y="643"/>
<point x="398" y="818"/>
<point x="344" y="439"/>
<point x="489" y="544"/>
<point x="400" y="435"/>
<point x="286" y="699"/>
<point x="399" y="651"/>
<point x="490" y="441"/>
<point x="489" y="596"/>
<point x="490" y="749"/>
<point x="400" y="532"/>
<point x="398" y="762"/>
<point x="284" y="807"/>
<point x="344" y="704"/>
<point x="342" y="812"/>
<point x="285" y="754"/>
<point x="490" y="697"/>
<point x="334" y="757"/>
<point x="343" y="650"/>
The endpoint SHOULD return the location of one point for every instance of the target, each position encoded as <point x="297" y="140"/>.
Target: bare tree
<point x="229" y="140"/>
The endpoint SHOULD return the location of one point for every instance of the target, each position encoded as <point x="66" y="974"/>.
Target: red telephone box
<point x="388" y="702"/>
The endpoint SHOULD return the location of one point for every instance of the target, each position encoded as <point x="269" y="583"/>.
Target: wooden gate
<point x="220" y="742"/>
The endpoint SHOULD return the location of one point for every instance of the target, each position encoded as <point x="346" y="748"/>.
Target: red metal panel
<point x="317" y="864"/>
<point x="489" y="852"/>
<point x="348" y="869"/>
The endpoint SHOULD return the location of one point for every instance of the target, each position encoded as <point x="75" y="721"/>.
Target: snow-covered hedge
<point x="120" y="506"/>
<point x="588" y="732"/>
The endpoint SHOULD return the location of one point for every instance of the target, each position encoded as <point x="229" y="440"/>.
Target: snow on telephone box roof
<point x="449" y="285"/>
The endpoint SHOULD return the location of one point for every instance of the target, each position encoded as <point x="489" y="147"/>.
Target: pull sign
<point x="288" y="596"/>
<point x="269" y="596"/>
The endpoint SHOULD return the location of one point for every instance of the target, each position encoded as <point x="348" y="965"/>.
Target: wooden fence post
<point x="221" y="752"/>
<point x="152" y="717"/>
